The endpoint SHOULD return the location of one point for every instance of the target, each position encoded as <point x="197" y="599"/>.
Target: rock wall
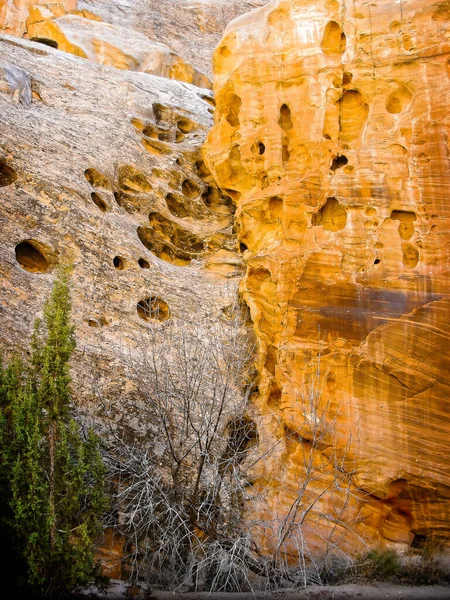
<point x="331" y="135"/>
<point x="102" y="170"/>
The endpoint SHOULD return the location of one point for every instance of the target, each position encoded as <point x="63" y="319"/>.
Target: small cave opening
<point x="119" y="263"/>
<point x="332" y="216"/>
<point x="99" y="202"/>
<point x="45" y="41"/>
<point x="97" y="179"/>
<point x="243" y="247"/>
<point x="31" y="256"/>
<point x="144" y="264"/>
<point x="7" y="174"/>
<point x="334" y="40"/>
<point x="338" y="162"/>
<point x="190" y="189"/>
<point x="285" y="120"/>
<point x="258" y="148"/>
<point x="377" y="261"/>
<point x="176" y="205"/>
<point x="153" y="309"/>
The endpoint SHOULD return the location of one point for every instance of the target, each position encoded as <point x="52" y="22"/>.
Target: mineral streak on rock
<point x="331" y="135"/>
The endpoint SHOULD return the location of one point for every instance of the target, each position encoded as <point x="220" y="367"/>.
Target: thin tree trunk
<point x="52" y="446"/>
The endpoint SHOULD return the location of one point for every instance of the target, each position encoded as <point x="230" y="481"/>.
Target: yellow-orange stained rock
<point x="331" y="134"/>
<point x="13" y="15"/>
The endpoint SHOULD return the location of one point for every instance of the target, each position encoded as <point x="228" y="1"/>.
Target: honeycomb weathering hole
<point x="144" y="264"/>
<point x="334" y="40"/>
<point x="285" y="120"/>
<point x="97" y="179"/>
<point x="99" y="202"/>
<point x="332" y="216"/>
<point x="176" y="206"/>
<point x="153" y="309"/>
<point x="190" y="189"/>
<point x="31" y="256"/>
<point x="338" y="162"/>
<point x="119" y="263"/>
<point x="7" y="174"/>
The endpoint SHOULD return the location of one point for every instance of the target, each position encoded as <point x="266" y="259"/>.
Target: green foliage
<point x="382" y="565"/>
<point x="51" y="474"/>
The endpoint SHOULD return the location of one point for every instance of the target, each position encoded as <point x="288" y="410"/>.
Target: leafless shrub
<point x="184" y="480"/>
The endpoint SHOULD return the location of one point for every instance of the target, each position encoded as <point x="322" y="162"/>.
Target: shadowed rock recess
<point x="343" y="215"/>
<point x="319" y="195"/>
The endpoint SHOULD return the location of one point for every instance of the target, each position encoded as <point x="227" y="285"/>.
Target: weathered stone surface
<point x="103" y="171"/>
<point x="331" y="134"/>
<point x="112" y="45"/>
<point x="193" y="28"/>
<point x="13" y="15"/>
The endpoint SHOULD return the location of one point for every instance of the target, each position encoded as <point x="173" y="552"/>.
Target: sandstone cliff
<point x="331" y="134"/>
<point x="330" y="138"/>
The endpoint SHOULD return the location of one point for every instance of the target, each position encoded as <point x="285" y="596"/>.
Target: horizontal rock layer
<point x="331" y="134"/>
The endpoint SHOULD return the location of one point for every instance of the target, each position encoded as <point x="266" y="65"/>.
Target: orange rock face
<point x="13" y="15"/>
<point x="331" y="134"/>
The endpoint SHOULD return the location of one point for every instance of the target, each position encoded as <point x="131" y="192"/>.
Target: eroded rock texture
<point x="331" y="135"/>
<point x="103" y="171"/>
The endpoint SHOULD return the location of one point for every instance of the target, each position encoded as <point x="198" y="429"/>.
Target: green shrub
<point x="51" y="473"/>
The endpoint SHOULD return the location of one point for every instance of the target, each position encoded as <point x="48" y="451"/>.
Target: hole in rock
<point x="31" y="256"/>
<point x="353" y="113"/>
<point x="232" y="103"/>
<point x="165" y="136"/>
<point x="97" y="179"/>
<point x="209" y="99"/>
<point x="99" y="202"/>
<point x="162" y="113"/>
<point x="332" y="216"/>
<point x="243" y="247"/>
<point x="45" y="41"/>
<point x="179" y="137"/>
<point x="133" y="181"/>
<point x="176" y="206"/>
<point x="285" y="120"/>
<point x="347" y="78"/>
<point x="7" y="174"/>
<point x="334" y="40"/>
<point x="100" y="322"/>
<point x="119" y="263"/>
<point x="285" y="154"/>
<point x="406" y="218"/>
<point x="258" y="148"/>
<point x="155" y="147"/>
<point x="169" y="241"/>
<point x="410" y="256"/>
<point x="338" y="162"/>
<point x="377" y="261"/>
<point x="190" y="189"/>
<point x="185" y="125"/>
<point x="150" y="132"/>
<point x="144" y="264"/>
<point x="398" y="100"/>
<point x="153" y="309"/>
